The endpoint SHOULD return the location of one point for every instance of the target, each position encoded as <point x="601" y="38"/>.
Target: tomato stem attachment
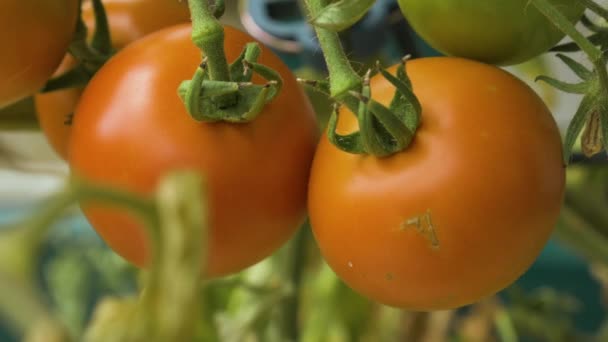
<point x="222" y="92"/>
<point x="383" y="131"/>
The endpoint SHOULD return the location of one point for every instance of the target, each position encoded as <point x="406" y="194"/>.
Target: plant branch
<point x="208" y="35"/>
<point x="341" y="74"/>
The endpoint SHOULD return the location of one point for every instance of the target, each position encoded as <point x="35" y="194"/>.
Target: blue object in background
<point x="281" y="25"/>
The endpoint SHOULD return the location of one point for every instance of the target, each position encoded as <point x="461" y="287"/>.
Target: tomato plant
<point x="495" y="31"/>
<point x="129" y="21"/>
<point x="131" y="128"/>
<point x="459" y="214"/>
<point x="35" y="36"/>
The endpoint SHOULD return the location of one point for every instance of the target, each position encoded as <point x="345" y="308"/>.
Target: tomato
<point x="458" y="215"/>
<point x="129" y="20"/>
<point x="35" y="35"/>
<point x="131" y="128"/>
<point x="492" y="31"/>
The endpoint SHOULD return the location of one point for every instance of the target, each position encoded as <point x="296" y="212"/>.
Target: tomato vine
<point x="178" y="228"/>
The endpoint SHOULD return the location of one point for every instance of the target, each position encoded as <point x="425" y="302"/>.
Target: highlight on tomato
<point x="492" y="31"/>
<point x="128" y="21"/>
<point x="458" y="215"/>
<point x="35" y="36"/>
<point x="131" y="128"/>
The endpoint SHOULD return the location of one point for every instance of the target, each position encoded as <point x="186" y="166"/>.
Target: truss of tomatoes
<point x="456" y="217"/>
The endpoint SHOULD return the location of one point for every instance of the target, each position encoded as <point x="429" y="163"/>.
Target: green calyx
<point x="236" y="100"/>
<point x="383" y="131"/>
<point x="90" y="55"/>
<point x="218" y="91"/>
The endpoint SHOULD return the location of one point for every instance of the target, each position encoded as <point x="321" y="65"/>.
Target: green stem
<point x="562" y="23"/>
<point x="504" y="326"/>
<point x="341" y="74"/>
<point x="602" y="73"/>
<point x="595" y="7"/>
<point x="208" y="35"/>
<point x="558" y="19"/>
<point x="86" y="192"/>
<point x="291" y="304"/>
<point x="144" y="208"/>
<point x="20" y="246"/>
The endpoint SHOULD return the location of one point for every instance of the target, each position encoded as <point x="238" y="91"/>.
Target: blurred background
<point x="559" y="299"/>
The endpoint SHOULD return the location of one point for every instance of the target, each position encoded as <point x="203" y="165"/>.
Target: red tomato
<point x="35" y="36"/>
<point x="131" y="128"/>
<point x="129" y="20"/>
<point x="458" y="215"/>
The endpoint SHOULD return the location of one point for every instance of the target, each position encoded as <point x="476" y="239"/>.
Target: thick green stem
<point x="562" y="23"/>
<point x="291" y="304"/>
<point x="208" y="35"/>
<point x="341" y="74"/>
<point x="595" y="7"/>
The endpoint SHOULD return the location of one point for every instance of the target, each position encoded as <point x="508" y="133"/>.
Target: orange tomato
<point x="463" y="211"/>
<point x="35" y="36"/>
<point x="131" y="128"/>
<point x="129" y="20"/>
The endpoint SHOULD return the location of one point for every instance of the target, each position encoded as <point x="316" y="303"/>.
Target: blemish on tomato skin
<point x="424" y="226"/>
<point x="389" y="276"/>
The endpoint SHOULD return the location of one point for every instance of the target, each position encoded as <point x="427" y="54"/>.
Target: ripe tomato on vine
<point x="458" y="215"/>
<point x="36" y="36"/>
<point x="128" y="21"/>
<point x="131" y="118"/>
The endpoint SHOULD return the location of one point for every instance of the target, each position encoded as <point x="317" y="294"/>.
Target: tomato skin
<point x="486" y="163"/>
<point x="131" y="128"/>
<point x="492" y="31"/>
<point x="128" y="20"/>
<point x="35" y="36"/>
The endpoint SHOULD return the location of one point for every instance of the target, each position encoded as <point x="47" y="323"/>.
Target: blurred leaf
<point x="342" y="14"/>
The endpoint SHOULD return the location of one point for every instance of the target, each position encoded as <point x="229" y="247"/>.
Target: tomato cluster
<point x="456" y="216"/>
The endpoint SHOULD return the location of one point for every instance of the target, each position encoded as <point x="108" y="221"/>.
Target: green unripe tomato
<point x="502" y="32"/>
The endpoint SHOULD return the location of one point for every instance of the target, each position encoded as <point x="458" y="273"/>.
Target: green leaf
<point x="400" y="134"/>
<point x="576" y="67"/>
<point x="102" y="42"/>
<point x="590" y="25"/>
<point x="577" y="124"/>
<point x="250" y="53"/>
<point x="404" y="104"/>
<point x="349" y="143"/>
<point x="572" y="88"/>
<point x="73" y="78"/>
<point x="269" y="74"/>
<point x="342" y="14"/>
